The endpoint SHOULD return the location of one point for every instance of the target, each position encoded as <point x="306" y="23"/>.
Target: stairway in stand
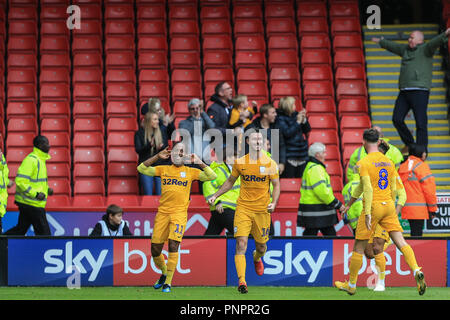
<point x="383" y="69"/>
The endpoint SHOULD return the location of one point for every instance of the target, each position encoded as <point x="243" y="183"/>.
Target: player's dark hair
<point x="383" y="147"/>
<point x="371" y="135"/>
<point x="416" y="150"/>
<point x="113" y="210"/>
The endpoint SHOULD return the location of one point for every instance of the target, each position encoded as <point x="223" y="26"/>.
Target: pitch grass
<point x="217" y="293"/>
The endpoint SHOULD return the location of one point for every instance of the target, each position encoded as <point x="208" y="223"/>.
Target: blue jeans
<point x="147" y="183"/>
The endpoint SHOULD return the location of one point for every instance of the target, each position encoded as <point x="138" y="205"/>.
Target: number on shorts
<point x="179" y="229"/>
<point x="265" y="232"/>
<point x="383" y="181"/>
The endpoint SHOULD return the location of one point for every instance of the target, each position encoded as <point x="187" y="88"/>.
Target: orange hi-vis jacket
<point x="420" y="189"/>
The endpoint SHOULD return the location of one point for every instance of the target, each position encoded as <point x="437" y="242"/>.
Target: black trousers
<point x="326" y="231"/>
<point x="220" y="221"/>
<point x="29" y="215"/>
<point x="293" y="172"/>
<point x="417" y="100"/>
<point x="416" y="227"/>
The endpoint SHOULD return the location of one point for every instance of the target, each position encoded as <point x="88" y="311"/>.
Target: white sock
<point x="415" y="271"/>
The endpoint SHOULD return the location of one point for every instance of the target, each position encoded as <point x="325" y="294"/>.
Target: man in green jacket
<point x="414" y="82"/>
<point x="5" y="184"/>
<point x="32" y="190"/>
<point x="222" y="212"/>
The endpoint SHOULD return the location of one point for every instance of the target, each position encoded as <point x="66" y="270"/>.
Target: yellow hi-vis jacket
<point x="31" y="178"/>
<point x="4" y="181"/>
<point x="228" y="199"/>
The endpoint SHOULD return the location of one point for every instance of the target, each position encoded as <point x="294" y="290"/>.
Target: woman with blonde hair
<point x="149" y="140"/>
<point x="294" y="126"/>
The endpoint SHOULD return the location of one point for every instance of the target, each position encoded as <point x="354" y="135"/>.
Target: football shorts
<point x="384" y="215"/>
<point x="255" y="223"/>
<point x="379" y="233"/>
<point x="169" y="226"/>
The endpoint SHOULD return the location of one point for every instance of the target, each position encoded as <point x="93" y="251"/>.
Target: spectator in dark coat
<point x="294" y="127"/>
<point x="267" y="121"/>
<point x="220" y="110"/>
<point x="167" y="120"/>
<point x="148" y="141"/>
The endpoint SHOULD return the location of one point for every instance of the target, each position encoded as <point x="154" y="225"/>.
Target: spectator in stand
<point x="267" y="122"/>
<point x="317" y="208"/>
<point x="220" y="110"/>
<point x="197" y="122"/>
<point x="111" y="224"/>
<point x="241" y="116"/>
<point x="154" y="105"/>
<point x="150" y="139"/>
<point x="420" y="186"/>
<point x="5" y="184"/>
<point x="294" y="127"/>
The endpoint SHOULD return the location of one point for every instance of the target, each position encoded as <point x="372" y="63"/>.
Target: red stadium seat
<point x="61" y="200"/>
<point x="355" y="122"/>
<point x="87" y="75"/>
<point x="119" y="11"/>
<point x="154" y="89"/>
<point x="182" y="11"/>
<point x="278" y="10"/>
<point x="22" y="125"/>
<point x="252" y="59"/>
<point x="216" y="27"/>
<point x="122" y="155"/>
<point x="311" y="9"/>
<point x="320" y="106"/>
<point x="50" y="44"/>
<point x="217" y="59"/>
<point x="60" y="186"/>
<point x="344" y="9"/>
<point x="55" y="60"/>
<point x="152" y="60"/>
<point x="249" y="42"/>
<point x="16" y="155"/>
<point x="122" y="186"/>
<point x="22" y="43"/>
<point x="184" y="59"/>
<point x="58" y="170"/>
<point x="120" y="139"/>
<point x="184" y="43"/>
<point x="119" y="43"/>
<point x="21" y="75"/>
<point x="185" y="75"/>
<point x="53" y="10"/>
<point x="154" y="75"/>
<point x="53" y="75"/>
<point x="85" y="91"/>
<point x="254" y="90"/>
<point x="290" y="185"/>
<point x="280" y="26"/>
<point x="89" y="27"/>
<point x="285" y="73"/>
<point x="120" y="91"/>
<point x="336" y="183"/>
<point x="318" y="89"/>
<point x="124" y="201"/>
<point x="217" y="42"/>
<point x="285" y="88"/>
<point x="352" y="137"/>
<point x="217" y="75"/>
<point x="59" y="155"/>
<point x="350" y="73"/>
<point x="348" y="57"/>
<point x="55" y="28"/>
<point x="312" y="26"/>
<point x="87" y="43"/>
<point x="151" y="11"/>
<point x="23" y="27"/>
<point x="119" y="27"/>
<point x="22" y="13"/>
<point x="88" y="139"/>
<point x="347" y="25"/>
<point x="334" y="168"/>
<point x="83" y="155"/>
<point x="247" y="11"/>
<point x="22" y="92"/>
<point x="120" y="60"/>
<point x="89" y="109"/>
<point x="186" y="91"/>
<point x="326" y="137"/>
<point x="19" y="139"/>
<point x="248" y="26"/>
<point x="22" y="60"/>
<point x="312" y="57"/>
<point x="351" y="89"/>
<point x="89" y="170"/>
<point x="126" y="169"/>
<point x="332" y="152"/>
<point x="88" y="125"/>
<point x="57" y="139"/>
<point x="55" y="125"/>
<point x="87" y="59"/>
<point x="347" y="41"/>
<point x="283" y="58"/>
<point x="214" y="12"/>
<point x="183" y="27"/>
<point x="252" y="74"/>
<point x="151" y="27"/>
<point x="316" y="41"/>
<point x="125" y="124"/>
<point x="152" y="42"/>
<point x="323" y="121"/>
<point x="352" y="106"/>
<point x="121" y="109"/>
<point x="89" y="186"/>
<point x="91" y="10"/>
<point x="88" y="201"/>
<point x="318" y="72"/>
<point x="288" y="41"/>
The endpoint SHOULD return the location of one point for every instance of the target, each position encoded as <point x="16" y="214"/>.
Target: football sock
<point x="239" y="261"/>
<point x="410" y="258"/>
<point x="171" y="266"/>
<point x="380" y="261"/>
<point x="160" y="262"/>
<point x="355" y="264"/>
<point x="258" y="255"/>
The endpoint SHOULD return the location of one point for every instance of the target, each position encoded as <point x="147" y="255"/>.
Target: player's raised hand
<point x="195" y="159"/>
<point x="271" y="207"/>
<point x="164" y="154"/>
